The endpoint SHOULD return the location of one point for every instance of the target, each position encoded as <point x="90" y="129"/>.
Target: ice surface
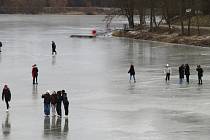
<point x="103" y="104"/>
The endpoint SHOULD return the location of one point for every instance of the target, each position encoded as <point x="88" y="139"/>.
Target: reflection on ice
<point x="35" y="91"/>
<point x="6" y="126"/>
<point x="58" y="128"/>
<point x="131" y="86"/>
<point x="53" y="59"/>
<point x="53" y="127"/>
<point x="66" y="126"/>
<point x="47" y="126"/>
<point x="0" y="57"/>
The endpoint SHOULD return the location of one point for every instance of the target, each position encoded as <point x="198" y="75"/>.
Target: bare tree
<point x="182" y="14"/>
<point x="125" y="8"/>
<point x="141" y="10"/>
<point x="169" y="12"/>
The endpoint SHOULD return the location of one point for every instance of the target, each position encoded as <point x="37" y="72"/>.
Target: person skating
<point x="65" y="102"/>
<point x="200" y="74"/>
<point x="53" y="103"/>
<point x="132" y="73"/>
<point x="187" y="73"/>
<point x="0" y="46"/>
<point x="53" y="48"/>
<point x="6" y="96"/>
<point x="47" y="101"/>
<point x="59" y="101"/>
<point x="181" y="73"/>
<point x="167" y="72"/>
<point x="35" y="74"/>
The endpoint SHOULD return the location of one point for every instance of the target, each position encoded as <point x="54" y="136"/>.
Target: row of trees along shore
<point x="37" y="6"/>
<point x="169" y="11"/>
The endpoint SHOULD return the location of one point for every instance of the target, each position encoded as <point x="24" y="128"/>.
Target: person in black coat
<point x="187" y="73"/>
<point x="59" y="101"/>
<point x="0" y="46"/>
<point x="53" y="48"/>
<point x="6" y="95"/>
<point x="200" y="74"/>
<point x="65" y="102"/>
<point x="132" y="73"/>
<point x="181" y="73"/>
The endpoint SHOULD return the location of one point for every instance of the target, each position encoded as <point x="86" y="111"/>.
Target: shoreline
<point x="58" y="10"/>
<point x="75" y="13"/>
<point x="175" y="38"/>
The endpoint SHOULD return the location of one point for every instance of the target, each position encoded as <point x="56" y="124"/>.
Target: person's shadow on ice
<point x="6" y="126"/>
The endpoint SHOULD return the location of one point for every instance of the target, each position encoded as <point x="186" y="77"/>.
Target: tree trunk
<point x="197" y="22"/>
<point x="182" y="17"/>
<point x="131" y="21"/>
<point x="168" y="19"/>
<point x="151" y="19"/>
<point x="141" y="16"/>
<point x="154" y="19"/>
<point x="189" y="23"/>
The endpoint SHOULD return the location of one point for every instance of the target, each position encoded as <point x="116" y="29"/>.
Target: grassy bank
<point x="163" y="35"/>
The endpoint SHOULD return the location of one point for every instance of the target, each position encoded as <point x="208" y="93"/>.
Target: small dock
<point x="90" y="34"/>
<point x="83" y="36"/>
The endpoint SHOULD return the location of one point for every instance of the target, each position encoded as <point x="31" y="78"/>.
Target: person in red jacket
<point x="6" y="95"/>
<point x="34" y="74"/>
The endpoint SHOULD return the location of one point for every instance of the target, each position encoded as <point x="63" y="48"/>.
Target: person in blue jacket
<point x="47" y="101"/>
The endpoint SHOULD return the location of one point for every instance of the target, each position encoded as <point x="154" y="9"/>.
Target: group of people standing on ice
<point x="55" y="101"/>
<point x="184" y="70"/>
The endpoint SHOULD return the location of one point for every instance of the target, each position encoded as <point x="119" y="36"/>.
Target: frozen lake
<point x="103" y="104"/>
